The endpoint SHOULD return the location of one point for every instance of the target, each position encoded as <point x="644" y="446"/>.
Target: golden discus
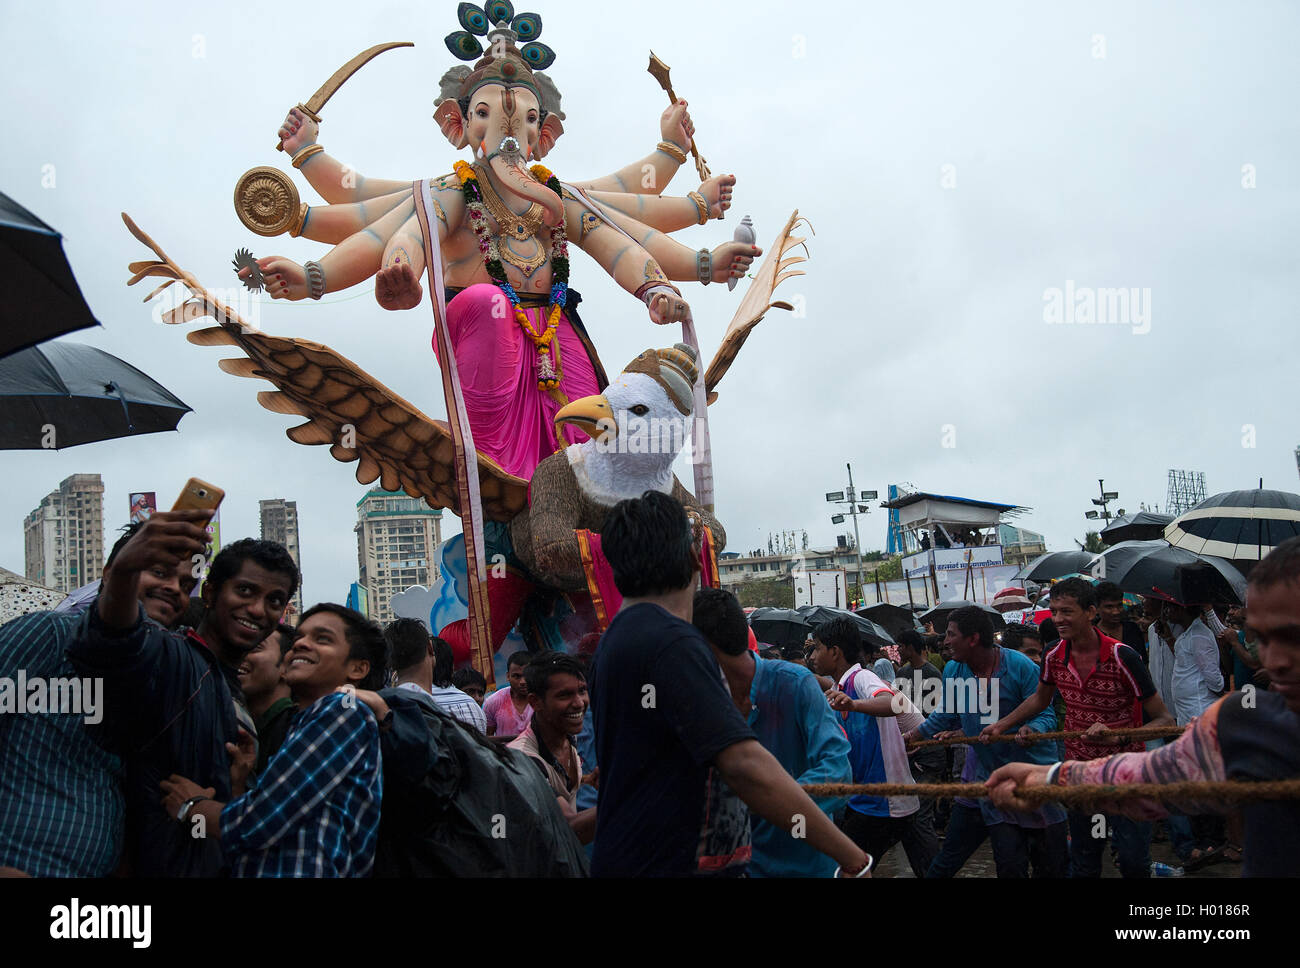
<point x="266" y="201"/>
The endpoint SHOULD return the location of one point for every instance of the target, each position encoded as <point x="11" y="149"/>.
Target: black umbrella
<point x="41" y="298"/>
<point x="1238" y="525"/>
<point x="892" y="618"/>
<point x="939" y="614"/>
<point x="1054" y="564"/>
<point x="782" y="627"/>
<point x="819" y="615"/>
<point x="1143" y="526"/>
<point x="64" y="394"/>
<point x="1158" y="569"/>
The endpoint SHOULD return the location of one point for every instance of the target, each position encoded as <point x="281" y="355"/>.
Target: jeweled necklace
<point x="548" y="362"/>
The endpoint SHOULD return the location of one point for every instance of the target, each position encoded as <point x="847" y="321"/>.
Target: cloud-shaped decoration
<point x="416" y="602"/>
<point x="451" y="601"/>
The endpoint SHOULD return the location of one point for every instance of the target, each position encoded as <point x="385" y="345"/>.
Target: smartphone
<point x="199" y="495"/>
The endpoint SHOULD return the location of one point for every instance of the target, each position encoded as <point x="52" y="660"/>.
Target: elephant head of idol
<point x="503" y="109"/>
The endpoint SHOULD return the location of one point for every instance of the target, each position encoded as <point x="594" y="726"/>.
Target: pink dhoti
<point x="513" y="422"/>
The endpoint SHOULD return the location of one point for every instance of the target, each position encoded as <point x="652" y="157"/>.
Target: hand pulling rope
<point x="1132" y="733"/>
<point x="1231" y="791"/>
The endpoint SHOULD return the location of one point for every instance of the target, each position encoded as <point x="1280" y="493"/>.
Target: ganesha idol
<point x="538" y="443"/>
<point x="501" y="225"/>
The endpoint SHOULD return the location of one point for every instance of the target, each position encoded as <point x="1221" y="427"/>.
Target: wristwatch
<point x="184" y="812"/>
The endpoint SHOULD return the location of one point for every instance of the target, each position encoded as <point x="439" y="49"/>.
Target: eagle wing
<point x="753" y="307"/>
<point x="360" y="418"/>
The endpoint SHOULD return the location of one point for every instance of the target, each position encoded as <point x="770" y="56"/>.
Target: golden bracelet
<point x="296" y="229"/>
<point x="672" y="151"/>
<point x="701" y="205"/>
<point x="301" y="157"/>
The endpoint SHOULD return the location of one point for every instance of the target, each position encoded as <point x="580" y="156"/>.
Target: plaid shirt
<point x="61" y="804"/>
<point x="315" y="811"/>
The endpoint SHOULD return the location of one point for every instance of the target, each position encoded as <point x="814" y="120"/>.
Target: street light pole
<point x="851" y="498"/>
<point x="857" y="541"/>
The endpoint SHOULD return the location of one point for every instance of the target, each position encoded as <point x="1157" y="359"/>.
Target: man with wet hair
<point x="1244" y="736"/>
<point x="668" y="735"/>
<point x="315" y="811"/>
<point x="61" y="808"/>
<point x="176" y="701"/>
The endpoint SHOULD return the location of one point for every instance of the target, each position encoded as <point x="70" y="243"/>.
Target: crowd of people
<point x="232" y="744"/>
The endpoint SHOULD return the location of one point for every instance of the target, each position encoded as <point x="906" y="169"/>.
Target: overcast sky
<point x="1101" y="144"/>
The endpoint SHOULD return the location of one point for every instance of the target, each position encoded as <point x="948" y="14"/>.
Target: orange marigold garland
<point x="548" y="355"/>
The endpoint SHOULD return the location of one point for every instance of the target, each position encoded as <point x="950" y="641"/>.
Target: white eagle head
<point x="640" y="423"/>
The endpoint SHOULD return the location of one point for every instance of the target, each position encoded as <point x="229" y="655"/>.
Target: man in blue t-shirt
<point x="669" y="740"/>
<point x="786" y="709"/>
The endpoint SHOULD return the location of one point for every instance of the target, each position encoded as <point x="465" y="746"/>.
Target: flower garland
<point x="548" y="375"/>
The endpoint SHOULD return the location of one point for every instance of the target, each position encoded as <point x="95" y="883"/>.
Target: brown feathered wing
<point x="360" y="418"/>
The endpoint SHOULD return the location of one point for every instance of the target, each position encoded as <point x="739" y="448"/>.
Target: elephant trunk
<point x="515" y="179"/>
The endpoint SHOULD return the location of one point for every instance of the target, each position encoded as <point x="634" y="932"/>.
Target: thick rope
<point x="1229" y="791"/>
<point x="1130" y="733"/>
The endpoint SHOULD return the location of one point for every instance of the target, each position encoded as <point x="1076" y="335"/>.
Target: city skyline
<point x="992" y="161"/>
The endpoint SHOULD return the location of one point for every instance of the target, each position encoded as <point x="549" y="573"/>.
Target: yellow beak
<point x="592" y="415"/>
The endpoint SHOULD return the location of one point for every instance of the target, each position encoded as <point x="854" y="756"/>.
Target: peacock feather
<point x="473" y="19"/>
<point x="537" y="56"/>
<point x="528" y="26"/>
<point x="500" y="12"/>
<point x="463" y="45"/>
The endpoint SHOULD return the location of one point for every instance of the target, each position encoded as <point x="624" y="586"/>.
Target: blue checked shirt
<point x="314" y="812"/>
<point x="61" y="805"/>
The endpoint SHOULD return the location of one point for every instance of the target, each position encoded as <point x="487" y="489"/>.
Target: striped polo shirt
<point x="1112" y="693"/>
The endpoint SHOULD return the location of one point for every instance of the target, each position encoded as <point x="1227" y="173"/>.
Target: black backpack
<point x="457" y="804"/>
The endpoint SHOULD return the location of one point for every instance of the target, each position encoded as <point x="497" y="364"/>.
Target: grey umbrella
<point x="1054" y="564"/>
<point x="939" y="614"/>
<point x="1142" y="526"/>
<point x="893" y="618"/>
<point x="42" y="299"/>
<point x="1158" y="569"/>
<point x="819" y="615"/>
<point x="64" y="394"/>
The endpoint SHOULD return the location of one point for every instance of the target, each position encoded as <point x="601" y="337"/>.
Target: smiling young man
<point x="1105" y="685"/>
<point x="174" y="702"/>
<point x="61" y="812"/>
<point x="1244" y="736"/>
<point x="315" y="810"/>
<point x="557" y="691"/>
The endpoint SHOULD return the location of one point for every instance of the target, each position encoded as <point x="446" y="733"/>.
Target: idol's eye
<point x="640" y="410"/>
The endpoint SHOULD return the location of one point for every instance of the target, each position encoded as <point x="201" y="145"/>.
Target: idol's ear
<point x="452" y="123"/>
<point x="552" y="128"/>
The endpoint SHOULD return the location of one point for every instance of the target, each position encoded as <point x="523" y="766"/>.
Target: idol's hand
<point x="284" y="278"/>
<point x="732" y="260"/>
<point x="298" y="131"/>
<point x="675" y="125"/>
<point x="668" y="307"/>
<point x="717" y="193"/>
<point x="397" y="288"/>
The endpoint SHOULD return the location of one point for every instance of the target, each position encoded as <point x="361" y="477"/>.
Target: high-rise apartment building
<point x="63" y="539"/>
<point x="397" y="546"/>
<point x="280" y="524"/>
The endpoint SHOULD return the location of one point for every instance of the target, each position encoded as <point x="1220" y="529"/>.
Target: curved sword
<point x="339" y="77"/>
